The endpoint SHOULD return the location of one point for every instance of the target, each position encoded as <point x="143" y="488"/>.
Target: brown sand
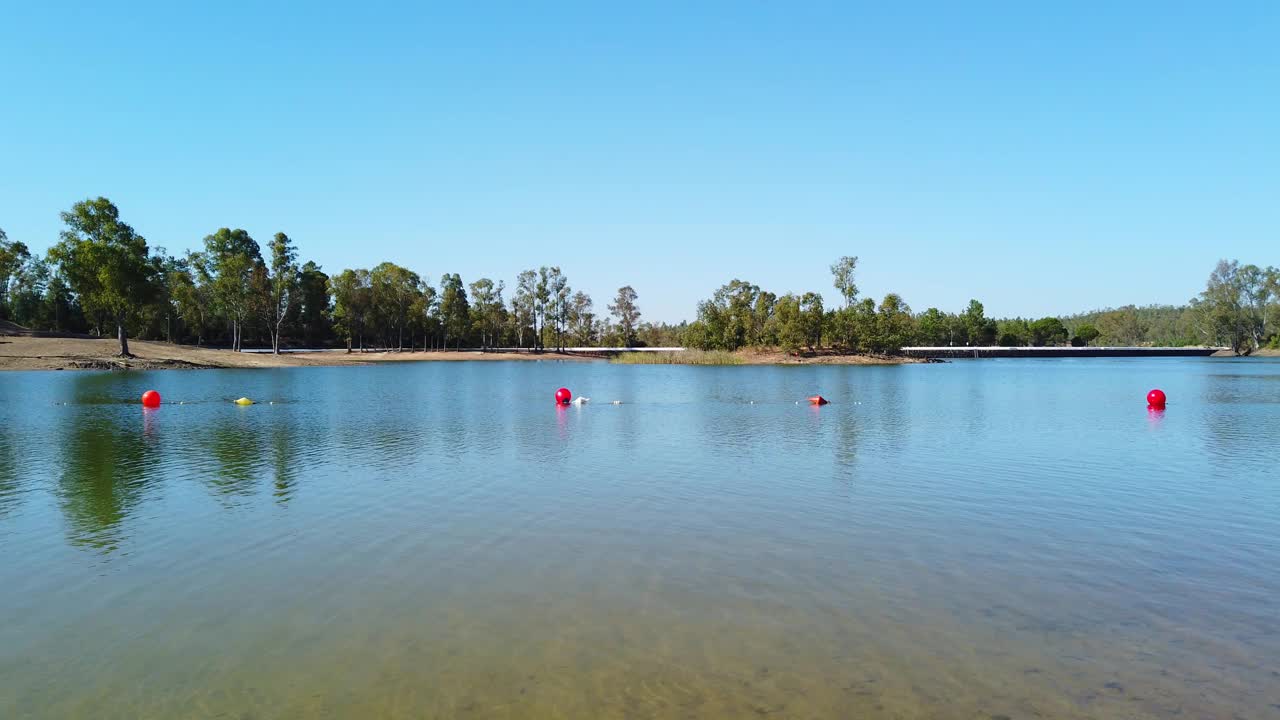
<point x="24" y="352"/>
<point x="39" y="352"/>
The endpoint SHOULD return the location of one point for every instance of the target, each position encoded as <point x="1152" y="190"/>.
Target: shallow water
<point x="981" y="539"/>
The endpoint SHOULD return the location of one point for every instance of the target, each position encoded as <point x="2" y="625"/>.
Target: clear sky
<point x="1043" y="157"/>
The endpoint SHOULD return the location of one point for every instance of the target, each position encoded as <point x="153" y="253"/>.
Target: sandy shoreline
<point x="60" y="353"/>
<point x="28" y="352"/>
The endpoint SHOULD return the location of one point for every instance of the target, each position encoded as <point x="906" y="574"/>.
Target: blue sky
<point x="1042" y="157"/>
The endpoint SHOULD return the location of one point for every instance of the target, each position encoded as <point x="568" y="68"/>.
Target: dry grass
<point x="683" y="357"/>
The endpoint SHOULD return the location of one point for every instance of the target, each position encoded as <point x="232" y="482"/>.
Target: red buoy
<point x="819" y="400"/>
<point x="1156" y="398"/>
<point x="151" y="399"/>
<point x="563" y="396"/>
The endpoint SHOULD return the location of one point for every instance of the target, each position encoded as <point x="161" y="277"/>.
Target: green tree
<point x="1048" y="331"/>
<point x="13" y="256"/>
<point x="627" y="313"/>
<point x="1084" y="335"/>
<point x="812" y="319"/>
<point x="524" y="304"/>
<point x="582" y="321"/>
<point x="1122" y="327"/>
<point x="313" y="303"/>
<point x="61" y="312"/>
<point x="428" y="306"/>
<point x="557" y="308"/>
<point x="393" y="292"/>
<point x="897" y="326"/>
<point x="865" y="327"/>
<point x="486" y="310"/>
<point x="761" y="310"/>
<point x="979" y="330"/>
<point x="787" y="324"/>
<point x="27" y="298"/>
<point x="934" y="327"/>
<point x="283" y="285"/>
<point x="842" y="271"/>
<point x="228" y="265"/>
<point x="729" y="319"/>
<point x="194" y="299"/>
<point x="455" y="310"/>
<point x="541" y="305"/>
<point x="352" y="300"/>
<point x="1013" y="333"/>
<point x="105" y="262"/>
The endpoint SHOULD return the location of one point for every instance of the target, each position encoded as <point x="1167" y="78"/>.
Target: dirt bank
<point x="26" y="352"/>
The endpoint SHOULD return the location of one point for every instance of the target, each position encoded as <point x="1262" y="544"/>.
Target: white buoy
<point x="581" y="400"/>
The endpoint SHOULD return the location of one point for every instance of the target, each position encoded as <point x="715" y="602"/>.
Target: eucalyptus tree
<point x="486" y="310"/>
<point x="313" y="302"/>
<point x="786" y="324"/>
<point x="728" y="318"/>
<point x="27" y="297"/>
<point x="627" y="313"/>
<point x="455" y="311"/>
<point x="394" y="290"/>
<point x="557" y="307"/>
<point x="193" y="298"/>
<point x="283" y="285"/>
<point x="812" y="318"/>
<point x="1236" y="306"/>
<point x="229" y="264"/>
<point x="105" y="262"/>
<point x="934" y="327"/>
<point x="424" y="312"/>
<point x="541" y="304"/>
<point x="13" y="255"/>
<point x="582" y="321"/>
<point x="524" y="304"/>
<point x="352" y="301"/>
<point x="842" y="272"/>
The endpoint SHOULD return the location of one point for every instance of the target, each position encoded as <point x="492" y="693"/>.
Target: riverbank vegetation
<point x="680" y="357"/>
<point x="103" y="278"/>
<point x="1239" y="308"/>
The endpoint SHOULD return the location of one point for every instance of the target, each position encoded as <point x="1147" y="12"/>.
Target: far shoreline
<point x="36" y="352"/>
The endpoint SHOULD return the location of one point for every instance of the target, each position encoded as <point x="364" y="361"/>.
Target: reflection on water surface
<point x="979" y="539"/>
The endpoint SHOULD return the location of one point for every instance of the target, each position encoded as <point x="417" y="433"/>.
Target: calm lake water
<point x="982" y="539"/>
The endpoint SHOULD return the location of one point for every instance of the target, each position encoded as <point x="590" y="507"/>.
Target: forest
<point x="102" y="278"/>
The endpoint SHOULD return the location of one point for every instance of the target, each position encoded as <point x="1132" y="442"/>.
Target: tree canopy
<point x="105" y="263"/>
<point x="101" y="275"/>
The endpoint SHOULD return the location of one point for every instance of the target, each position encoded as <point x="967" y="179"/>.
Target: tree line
<point x="1239" y="308"/>
<point x="102" y="277"/>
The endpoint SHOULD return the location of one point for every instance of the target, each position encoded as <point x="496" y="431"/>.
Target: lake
<point x="981" y="539"/>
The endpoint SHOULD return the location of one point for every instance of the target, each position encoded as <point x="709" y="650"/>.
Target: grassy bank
<point x="683" y="357"/>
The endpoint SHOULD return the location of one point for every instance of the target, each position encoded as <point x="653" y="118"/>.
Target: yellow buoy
<point x="244" y="401"/>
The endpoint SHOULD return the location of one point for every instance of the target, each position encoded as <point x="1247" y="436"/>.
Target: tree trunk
<point x="124" y="338"/>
